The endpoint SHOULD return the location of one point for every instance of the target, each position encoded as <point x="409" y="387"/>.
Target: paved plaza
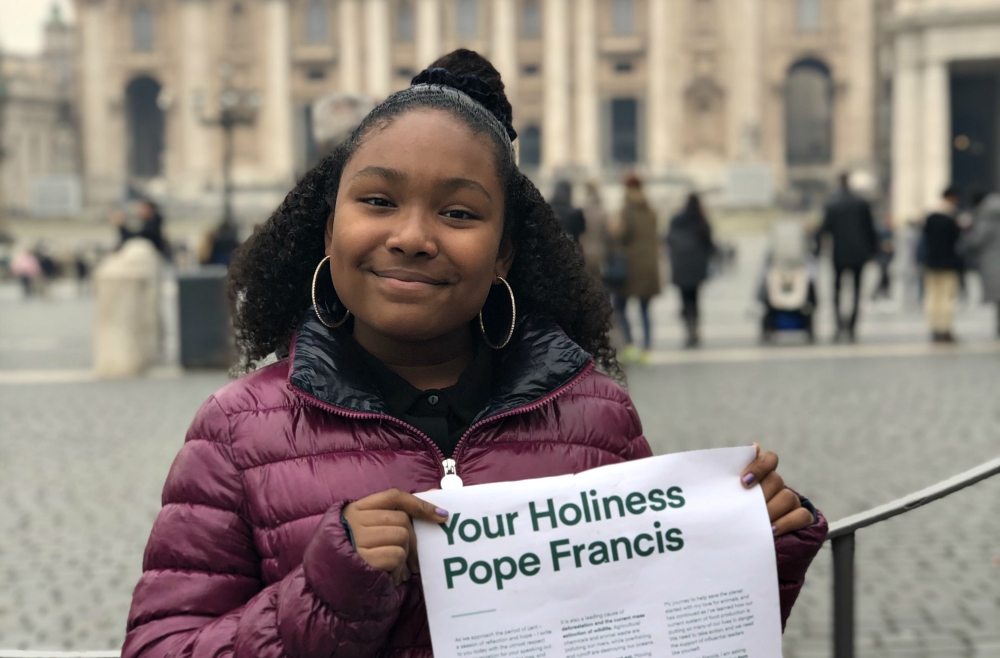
<point x="82" y="464"/>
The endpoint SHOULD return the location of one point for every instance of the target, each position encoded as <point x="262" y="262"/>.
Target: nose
<point x="413" y="234"/>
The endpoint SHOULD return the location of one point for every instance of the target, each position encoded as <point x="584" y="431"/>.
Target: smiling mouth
<point x="408" y="277"/>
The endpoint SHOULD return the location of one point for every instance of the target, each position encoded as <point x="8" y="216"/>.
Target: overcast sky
<point x="21" y="23"/>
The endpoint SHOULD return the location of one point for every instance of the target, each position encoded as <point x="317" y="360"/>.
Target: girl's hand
<point x="783" y="504"/>
<point x="383" y="531"/>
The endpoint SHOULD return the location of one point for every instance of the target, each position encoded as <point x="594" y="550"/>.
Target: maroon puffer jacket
<point x="248" y="556"/>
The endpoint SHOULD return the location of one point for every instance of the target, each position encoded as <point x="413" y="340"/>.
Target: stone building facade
<point x="946" y="100"/>
<point x="682" y="90"/>
<point x="41" y="164"/>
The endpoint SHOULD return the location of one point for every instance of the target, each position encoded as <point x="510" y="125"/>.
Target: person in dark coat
<point x="848" y="221"/>
<point x="689" y="242"/>
<point x="286" y="529"/>
<point x="570" y="218"/>
<point x="981" y="244"/>
<point x="636" y="238"/>
<point x="151" y="227"/>
<point x="943" y="266"/>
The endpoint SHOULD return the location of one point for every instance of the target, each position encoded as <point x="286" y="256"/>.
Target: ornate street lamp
<point x="237" y="107"/>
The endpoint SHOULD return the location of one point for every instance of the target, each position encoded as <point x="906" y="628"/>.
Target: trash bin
<point x="206" y="331"/>
<point x="127" y="310"/>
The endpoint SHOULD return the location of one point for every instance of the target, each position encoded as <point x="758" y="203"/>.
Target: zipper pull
<point x="450" y="479"/>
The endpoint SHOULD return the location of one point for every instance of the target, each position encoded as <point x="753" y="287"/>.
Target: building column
<point x="658" y="91"/>
<point x="747" y="82"/>
<point x="555" y="68"/>
<point x="350" y="47"/>
<point x="859" y="140"/>
<point x="378" y="55"/>
<point x="907" y="127"/>
<point x="936" y="133"/>
<point x="276" y="114"/>
<point x="504" y="45"/>
<point x="428" y="32"/>
<point x="103" y="172"/>
<point x="194" y="83"/>
<point x="588" y="128"/>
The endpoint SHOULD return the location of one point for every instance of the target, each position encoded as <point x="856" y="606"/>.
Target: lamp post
<point x="237" y="107"/>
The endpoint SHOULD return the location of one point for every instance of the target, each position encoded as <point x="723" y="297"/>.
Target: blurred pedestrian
<point x="689" y="242"/>
<point x="883" y="257"/>
<point x="848" y="220"/>
<point x="982" y="244"/>
<point x="150" y="227"/>
<point x="81" y="267"/>
<point x="220" y="244"/>
<point x="638" y="242"/>
<point x="594" y="240"/>
<point x="28" y="271"/>
<point x="571" y="219"/>
<point x="943" y="263"/>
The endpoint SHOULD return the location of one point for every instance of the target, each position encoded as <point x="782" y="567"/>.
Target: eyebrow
<point x="465" y="184"/>
<point x="395" y="176"/>
<point x="385" y="173"/>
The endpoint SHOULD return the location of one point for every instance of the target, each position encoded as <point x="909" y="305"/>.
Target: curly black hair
<point x="271" y="274"/>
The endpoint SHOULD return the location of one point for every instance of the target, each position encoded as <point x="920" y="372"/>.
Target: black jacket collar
<point x="539" y="359"/>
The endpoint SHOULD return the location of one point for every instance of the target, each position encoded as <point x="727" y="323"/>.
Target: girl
<point x="433" y="324"/>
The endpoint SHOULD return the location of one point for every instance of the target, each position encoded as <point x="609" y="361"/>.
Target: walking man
<point x="849" y="223"/>
<point x="944" y="265"/>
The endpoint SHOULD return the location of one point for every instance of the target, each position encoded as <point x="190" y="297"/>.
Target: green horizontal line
<point x="469" y="614"/>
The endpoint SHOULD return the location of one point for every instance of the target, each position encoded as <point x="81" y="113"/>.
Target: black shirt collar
<point x="466" y="398"/>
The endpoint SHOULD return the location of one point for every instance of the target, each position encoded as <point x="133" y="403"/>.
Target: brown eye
<point x="459" y="214"/>
<point x="377" y="201"/>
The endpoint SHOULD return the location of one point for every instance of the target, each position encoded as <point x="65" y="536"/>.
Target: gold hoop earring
<point x="513" y="319"/>
<point x="316" y="306"/>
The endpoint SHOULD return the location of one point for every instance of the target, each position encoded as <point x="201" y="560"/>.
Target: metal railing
<point x="842" y="539"/>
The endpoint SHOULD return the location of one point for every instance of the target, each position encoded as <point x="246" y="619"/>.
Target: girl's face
<point x="416" y="238"/>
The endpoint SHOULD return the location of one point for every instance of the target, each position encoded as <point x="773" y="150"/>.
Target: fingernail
<point x="441" y="512"/>
<point x="774" y="529"/>
<point x="748" y="479"/>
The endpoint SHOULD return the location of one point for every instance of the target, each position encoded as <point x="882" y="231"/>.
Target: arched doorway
<point x="809" y="114"/>
<point x="146" y="124"/>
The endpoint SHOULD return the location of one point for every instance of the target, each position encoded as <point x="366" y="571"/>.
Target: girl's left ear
<point x="505" y="257"/>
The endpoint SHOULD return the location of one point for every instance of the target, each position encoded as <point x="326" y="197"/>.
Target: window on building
<point x="468" y="19"/>
<point x="531" y="20"/>
<point x="623" y="16"/>
<point x="142" y="29"/>
<point x="316" y="74"/>
<point x="531" y="146"/>
<point x="146" y="124"/>
<point x="623" y="66"/>
<point x="530" y="69"/>
<point x="809" y="114"/>
<point x="809" y="15"/>
<point x="405" y="72"/>
<point x="317" y="27"/>
<point x="624" y="130"/>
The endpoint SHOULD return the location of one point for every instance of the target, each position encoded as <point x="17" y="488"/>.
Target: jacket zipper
<point x="449" y="466"/>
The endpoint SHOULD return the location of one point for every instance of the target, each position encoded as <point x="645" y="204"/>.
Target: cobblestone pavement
<point x="82" y="465"/>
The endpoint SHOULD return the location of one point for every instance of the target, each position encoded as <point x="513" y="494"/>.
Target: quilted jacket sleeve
<point x="795" y="552"/>
<point x="201" y="593"/>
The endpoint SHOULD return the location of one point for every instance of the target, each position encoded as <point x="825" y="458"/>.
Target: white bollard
<point x="127" y="313"/>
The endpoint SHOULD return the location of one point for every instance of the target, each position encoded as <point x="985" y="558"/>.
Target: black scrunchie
<point x="474" y="87"/>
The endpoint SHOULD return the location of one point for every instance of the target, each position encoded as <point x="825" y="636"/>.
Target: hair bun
<point x="476" y="88"/>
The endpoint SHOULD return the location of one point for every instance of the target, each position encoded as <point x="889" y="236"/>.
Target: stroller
<point x="788" y="286"/>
